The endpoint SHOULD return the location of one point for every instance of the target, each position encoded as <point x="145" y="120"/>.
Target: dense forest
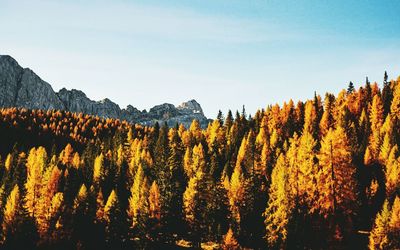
<point x="319" y="174"/>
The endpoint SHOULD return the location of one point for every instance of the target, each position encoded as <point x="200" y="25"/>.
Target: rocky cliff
<point x="21" y="87"/>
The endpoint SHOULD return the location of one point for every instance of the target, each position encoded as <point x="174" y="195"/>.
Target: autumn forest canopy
<point x="318" y="174"/>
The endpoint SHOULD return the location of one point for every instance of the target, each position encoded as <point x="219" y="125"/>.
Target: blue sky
<point x="222" y="53"/>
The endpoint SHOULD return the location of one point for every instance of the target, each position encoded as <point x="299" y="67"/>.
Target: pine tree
<point x="154" y="202"/>
<point x="387" y="94"/>
<point x="278" y="212"/>
<point x="230" y="242"/>
<point x="114" y="222"/>
<point x="394" y="225"/>
<point x="395" y="106"/>
<point x="98" y="170"/>
<point x="378" y="238"/>
<point x="35" y="165"/>
<point x="306" y="171"/>
<point x="376" y="119"/>
<point x="350" y="88"/>
<point x="193" y="205"/>
<point x="135" y="200"/>
<point x="175" y="180"/>
<point x="53" y="228"/>
<point x="11" y="213"/>
<point x="220" y="118"/>
<point x="327" y="120"/>
<point x="336" y="183"/>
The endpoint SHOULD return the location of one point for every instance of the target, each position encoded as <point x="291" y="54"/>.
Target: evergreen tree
<point x="114" y="222"/>
<point x="378" y="239"/>
<point x="350" y="88"/>
<point x="278" y="212"/>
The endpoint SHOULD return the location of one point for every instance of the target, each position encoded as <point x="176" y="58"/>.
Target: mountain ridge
<point x="22" y="87"/>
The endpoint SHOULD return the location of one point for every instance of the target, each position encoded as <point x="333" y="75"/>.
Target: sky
<point x="224" y="54"/>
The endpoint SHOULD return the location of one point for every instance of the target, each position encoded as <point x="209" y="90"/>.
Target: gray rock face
<point x="77" y="101"/>
<point x="21" y="87"/>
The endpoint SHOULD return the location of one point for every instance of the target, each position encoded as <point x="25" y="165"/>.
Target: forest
<point x="322" y="173"/>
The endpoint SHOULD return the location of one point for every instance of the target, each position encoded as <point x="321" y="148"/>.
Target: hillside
<point x="318" y="174"/>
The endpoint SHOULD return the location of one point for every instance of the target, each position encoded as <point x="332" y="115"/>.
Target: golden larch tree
<point x="336" y="178"/>
<point x="278" y="211"/>
<point x="36" y="164"/>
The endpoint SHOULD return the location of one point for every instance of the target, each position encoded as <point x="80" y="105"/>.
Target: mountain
<point x="21" y="87"/>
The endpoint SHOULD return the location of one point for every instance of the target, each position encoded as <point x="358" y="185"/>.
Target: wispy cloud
<point x="133" y="19"/>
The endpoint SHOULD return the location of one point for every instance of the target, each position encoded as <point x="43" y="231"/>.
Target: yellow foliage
<point x="236" y="192"/>
<point x="335" y="179"/>
<point x="11" y="210"/>
<point x="8" y="163"/>
<point x="154" y="201"/>
<point x="190" y="198"/>
<point x="230" y="243"/>
<point x="392" y="172"/>
<point x="111" y="203"/>
<point x="98" y="169"/>
<point x="36" y="163"/>
<point x="279" y="206"/>
<point x="378" y="238"/>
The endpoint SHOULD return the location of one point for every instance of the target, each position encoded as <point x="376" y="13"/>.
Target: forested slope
<point x="323" y="173"/>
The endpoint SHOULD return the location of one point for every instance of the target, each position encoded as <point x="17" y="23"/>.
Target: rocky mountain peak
<point x="192" y="106"/>
<point x="21" y="87"/>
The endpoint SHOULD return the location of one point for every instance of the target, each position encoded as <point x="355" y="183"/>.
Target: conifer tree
<point x="136" y="200"/>
<point x="11" y="213"/>
<point x="114" y="222"/>
<point x="350" y="88"/>
<point x="230" y="242"/>
<point x="327" y="120"/>
<point x="394" y="225"/>
<point x="98" y="170"/>
<point x="395" y="106"/>
<point x="378" y="238"/>
<point x="336" y="183"/>
<point x="376" y="119"/>
<point x="278" y="212"/>
<point x="307" y="170"/>
<point x="193" y="205"/>
<point x="35" y="166"/>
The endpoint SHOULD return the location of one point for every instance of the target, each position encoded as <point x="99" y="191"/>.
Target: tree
<point x="392" y="172"/>
<point x="327" y="120"/>
<point x="350" y="88"/>
<point x="114" y="221"/>
<point x="387" y="94"/>
<point x="193" y="206"/>
<point x="35" y="165"/>
<point x="278" y="212"/>
<point x="395" y="106"/>
<point x="11" y="212"/>
<point x="306" y="171"/>
<point x="394" y="225"/>
<point x="175" y="180"/>
<point x="376" y="119"/>
<point x="152" y="221"/>
<point x="378" y="239"/>
<point x="98" y="170"/>
<point x="50" y="187"/>
<point x="154" y="202"/>
<point x="18" y="229"/>
<point x="230" y="243"/>
<point x="220" y="118"/>
<point x="310" y="118"/>
<point x="336" y="183"/>
<point x="137" y="198"/>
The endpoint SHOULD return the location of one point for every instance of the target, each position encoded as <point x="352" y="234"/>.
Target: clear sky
<point x="222" y="53"/>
